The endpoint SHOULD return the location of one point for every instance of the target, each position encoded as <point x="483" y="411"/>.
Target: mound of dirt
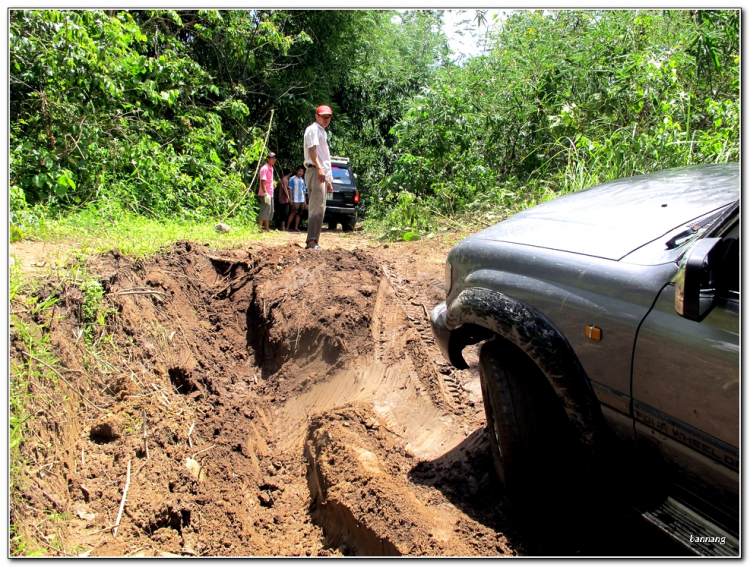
<point x="310" y="315"/>
<point x="366" y="503"/>
<point x="266" y="402"/>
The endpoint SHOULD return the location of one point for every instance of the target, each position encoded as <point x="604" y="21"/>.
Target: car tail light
<point x="356" y="196"/>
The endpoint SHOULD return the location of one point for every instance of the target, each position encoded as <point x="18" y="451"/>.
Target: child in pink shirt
<point x="265" y="214"/>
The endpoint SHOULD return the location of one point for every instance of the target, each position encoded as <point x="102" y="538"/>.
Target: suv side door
<point x="685" y="389"/>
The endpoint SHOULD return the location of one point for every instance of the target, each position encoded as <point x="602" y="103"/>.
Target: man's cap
<point x="324" y="109"/>
<point x="270" y="155"/>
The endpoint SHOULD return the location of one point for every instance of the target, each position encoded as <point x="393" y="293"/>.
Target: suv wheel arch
<point x="482" y="312"/>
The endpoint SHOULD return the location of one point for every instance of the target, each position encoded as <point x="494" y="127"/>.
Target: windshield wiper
<point x="695" y="229"/>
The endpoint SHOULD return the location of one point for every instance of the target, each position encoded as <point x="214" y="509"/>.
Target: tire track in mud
<point x="411" y="300"/>
<point x="399" y="380"/>
<point x="414" y="300"/>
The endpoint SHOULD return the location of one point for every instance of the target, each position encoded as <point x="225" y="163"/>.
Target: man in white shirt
<point x="318" y="174"/>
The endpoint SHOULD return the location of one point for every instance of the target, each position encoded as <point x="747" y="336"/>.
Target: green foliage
<point x="162" y="113"/>
<point x="16" y="233"/>
<point x="366" y="64"/>
<point x="114" y="107"/>
<point x="398" y="59"/>
<point x="567" y="99"/>
<point x="92" y="311"/>
<point x="20" y="220"/>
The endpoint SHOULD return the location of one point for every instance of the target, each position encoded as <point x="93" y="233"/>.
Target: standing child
<point x="284" y="199"/>
<point x="298" y="188"/>
<point x="265" y="192"/>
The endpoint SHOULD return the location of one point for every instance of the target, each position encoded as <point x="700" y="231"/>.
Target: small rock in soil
<point x="196" y="469"/>
<point x="266" y="499"/>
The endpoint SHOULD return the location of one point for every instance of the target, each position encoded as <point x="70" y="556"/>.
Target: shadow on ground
<point x="466" y="477"/>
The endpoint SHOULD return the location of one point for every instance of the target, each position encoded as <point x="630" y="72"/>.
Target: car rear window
<point x="341" y="175"/>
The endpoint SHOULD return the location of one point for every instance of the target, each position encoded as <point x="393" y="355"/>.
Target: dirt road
<point x="272" y="401"/>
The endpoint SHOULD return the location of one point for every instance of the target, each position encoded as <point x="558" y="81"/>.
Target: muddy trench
<point x="271" y="402"/>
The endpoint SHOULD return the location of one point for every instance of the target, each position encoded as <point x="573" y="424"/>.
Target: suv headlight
<point x="448" y="278"/>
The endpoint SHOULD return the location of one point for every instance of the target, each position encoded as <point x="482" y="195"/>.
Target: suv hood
<point x="616" y="218"/>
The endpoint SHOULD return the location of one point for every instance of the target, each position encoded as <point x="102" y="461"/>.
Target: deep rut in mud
<point x="274" y="402"/>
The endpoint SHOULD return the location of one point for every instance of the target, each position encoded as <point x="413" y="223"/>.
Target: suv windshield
<point x="341" y="175"/>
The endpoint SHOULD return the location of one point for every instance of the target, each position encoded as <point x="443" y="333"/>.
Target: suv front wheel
<point x="530" y="436"/>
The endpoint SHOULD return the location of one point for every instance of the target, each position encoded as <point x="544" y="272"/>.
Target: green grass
<point x="34" y="339"/>
<point x="34" y="373"/>
<point x="20" y="546"/>
<point x="95" y="233"/>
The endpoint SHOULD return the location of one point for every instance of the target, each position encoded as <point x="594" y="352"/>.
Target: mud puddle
<point x="273" y="402"/>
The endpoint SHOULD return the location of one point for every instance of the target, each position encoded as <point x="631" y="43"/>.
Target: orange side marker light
<point x="594" y="333"/>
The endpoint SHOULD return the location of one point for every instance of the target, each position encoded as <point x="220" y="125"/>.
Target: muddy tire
<point x="530" y="436"/>
<point x="332" y="225"/>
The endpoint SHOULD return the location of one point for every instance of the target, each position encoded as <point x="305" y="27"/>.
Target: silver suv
<point x="611" y="327"/>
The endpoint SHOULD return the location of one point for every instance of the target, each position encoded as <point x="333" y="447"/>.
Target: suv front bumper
<point x="441" y="333"/>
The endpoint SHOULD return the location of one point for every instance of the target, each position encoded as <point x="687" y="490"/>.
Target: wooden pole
<point x="262" y="153"/>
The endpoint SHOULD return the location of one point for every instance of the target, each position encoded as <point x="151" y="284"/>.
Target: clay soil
<point x="272" y="401"/>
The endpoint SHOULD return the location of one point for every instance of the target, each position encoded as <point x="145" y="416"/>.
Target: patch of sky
<point x="467" y="31"/>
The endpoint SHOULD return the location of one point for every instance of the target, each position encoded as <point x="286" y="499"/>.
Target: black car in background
<point x="342" y="204"/>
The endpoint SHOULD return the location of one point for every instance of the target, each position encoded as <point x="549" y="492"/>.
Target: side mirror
<point x="695" y="286"/>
